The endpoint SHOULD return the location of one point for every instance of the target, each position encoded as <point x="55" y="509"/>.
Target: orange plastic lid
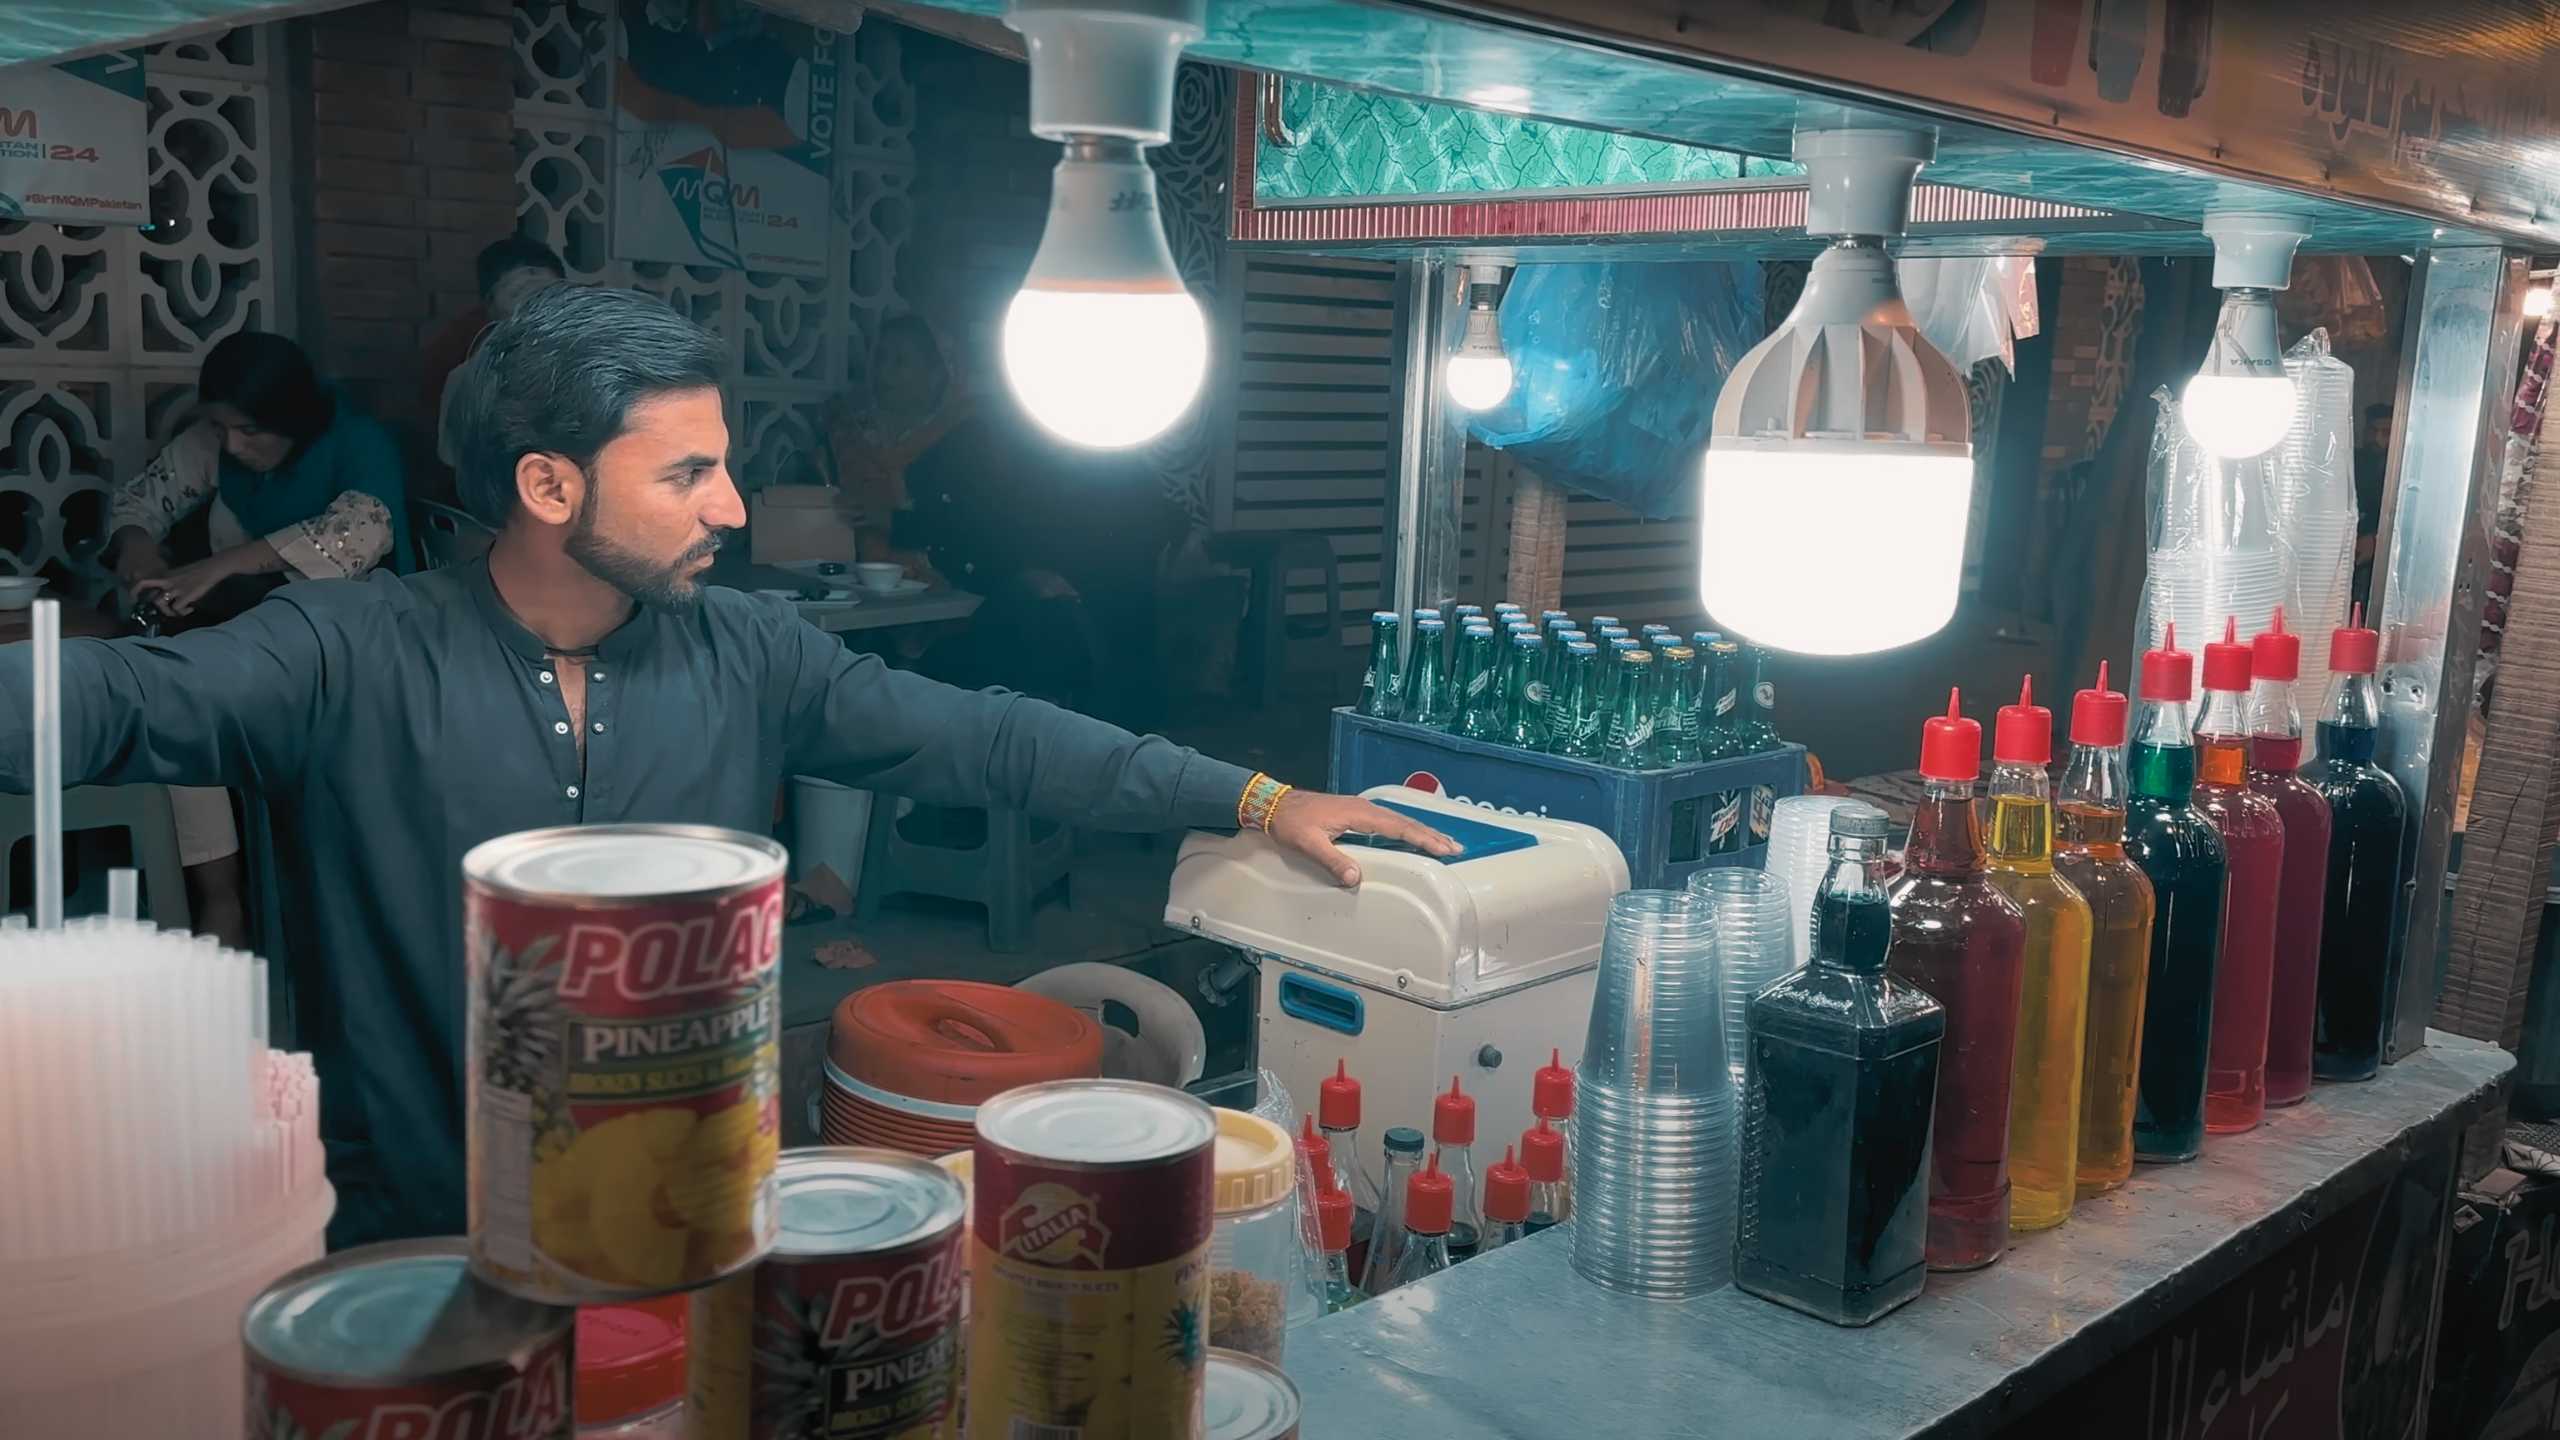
<point x="630" y="1359"/>
<point x="960" y="1042"/>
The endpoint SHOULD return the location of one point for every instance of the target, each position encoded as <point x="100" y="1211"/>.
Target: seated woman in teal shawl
<point x="301" y="487"/>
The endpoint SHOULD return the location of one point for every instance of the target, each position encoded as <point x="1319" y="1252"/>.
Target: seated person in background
<point x="509" y="270"/>
<point x="294" y="484"/>
<point x="913" y="403"/>
<point x="1065" y="544"/>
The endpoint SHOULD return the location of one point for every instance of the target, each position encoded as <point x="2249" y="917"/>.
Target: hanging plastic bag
<point x="1617" y="368"/>
<point x="1972" y="309"/>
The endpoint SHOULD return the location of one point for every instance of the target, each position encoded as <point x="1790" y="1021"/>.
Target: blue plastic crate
<point x="1670" y="823"/>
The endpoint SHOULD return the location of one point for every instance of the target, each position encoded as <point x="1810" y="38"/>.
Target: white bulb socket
<point x="1103" y="345"/>
<point x="1478" y="376"/>
<point x="1105" y="67"/>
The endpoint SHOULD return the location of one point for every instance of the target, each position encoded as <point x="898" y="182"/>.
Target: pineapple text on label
<point x="667" y="958"/>
<point x="610" y="1041"/>
<point x="900" y="1387"/>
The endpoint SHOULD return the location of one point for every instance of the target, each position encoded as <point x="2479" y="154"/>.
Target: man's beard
<point x="668" y="585"/>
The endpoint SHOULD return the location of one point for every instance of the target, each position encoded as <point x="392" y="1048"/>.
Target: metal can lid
<point x="623" y="862"/>
<point x="1245" y="1399"/>
<point x="404" y="1310"/>
<point x="839" y="1200"/>
<point x="1097" y="1122"/>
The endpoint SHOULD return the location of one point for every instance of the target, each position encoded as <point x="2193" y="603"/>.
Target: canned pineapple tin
<point x="1247" y="1399"/>
<point x="1088" y="1262"/>
<point x="850" y="1329"/>
<point x="624" y="1058"/>
<point x="400" y="1342"/>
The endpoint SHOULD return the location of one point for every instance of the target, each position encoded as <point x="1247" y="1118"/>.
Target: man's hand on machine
<point x="1308" y="822"/>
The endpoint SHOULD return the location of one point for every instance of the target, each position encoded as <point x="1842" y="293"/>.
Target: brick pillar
<point x="412" y="165"/>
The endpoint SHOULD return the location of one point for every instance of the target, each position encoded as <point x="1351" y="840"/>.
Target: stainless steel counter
<point x="1516" y="1347"/>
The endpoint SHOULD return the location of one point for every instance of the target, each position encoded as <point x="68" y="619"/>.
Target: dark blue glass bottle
<point x="2359" y="970"/>
<point x="1840" y="1084"/>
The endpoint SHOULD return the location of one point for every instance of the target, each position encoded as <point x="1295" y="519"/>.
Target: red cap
<point x="1542" y="1153"/>
<point x="2355" y="650"/>
<point x="2226" y="661"/>
<point x="1506" y="1190"/>
<point x="1950" y="745"/>
<point x="1453" y="1116"/>
<point x="1429" y="1199"/>
<point x="1314" y="1151"/>
<point x="2022" y="734"/>
<point x="2276" y="654"/>
<point x="1333" y="1213"/>
<point x="1551" y="1089"/>
<point x="630" y="1359"/>
<point x="2169" y="673"/>
<point x="2097" y="716"/>
<point x="1338" y="1101"/>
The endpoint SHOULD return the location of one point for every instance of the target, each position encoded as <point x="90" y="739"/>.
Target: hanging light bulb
<point x="2537" y="302"/>
<point x="1103" y="345"/>
<point x="1839" y="472"/>
<point x="2239" y="404"/>
<point x="1479" y="375"/>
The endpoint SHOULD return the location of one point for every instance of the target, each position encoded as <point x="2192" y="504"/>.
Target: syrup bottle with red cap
<point x="2053" y="999"/>
<point x="2275" y="754"/>
<point x="1333" y="1243"/>
<point x="1506" y="1203"/>
<point x="2180" y="852"/>
<point x="1542" y="1154"/>
<point x="1453" y="1129"/>
<point x="1551" y="1100"/>
<point x="1430" y="1198"/>
<point x="2359" y="969"/>
<point x="1338" y="1117"/>
<point x="1956" y="937"/>
<point x="2235" y="1092"/>
<point x="2089" y="852"/>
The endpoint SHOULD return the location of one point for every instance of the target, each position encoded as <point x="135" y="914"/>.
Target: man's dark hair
<point x="516" y="252"/>
<point x="269" y="379"/>
<point x="559" y="377"/>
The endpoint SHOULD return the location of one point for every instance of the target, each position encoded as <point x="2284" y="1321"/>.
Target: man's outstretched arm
<point x="854" y="719"/>
<point x="233" y="704"/>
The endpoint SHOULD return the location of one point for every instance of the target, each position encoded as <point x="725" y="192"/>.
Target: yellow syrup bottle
<point x="2089" y="851"/>
<point x="2044" y="1087"/>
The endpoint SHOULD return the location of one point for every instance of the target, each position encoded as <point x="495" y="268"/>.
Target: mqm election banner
<point x="724" y="137"/>
<point x="72" y="142"/>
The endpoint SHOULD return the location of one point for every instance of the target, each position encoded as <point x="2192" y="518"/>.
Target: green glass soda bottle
<point x="1382" y="685"/>
<point x="1576" y="728"/>
<point x="1759" y="727"/>
<point x="1428" y="698"/>
<point x="1720" y="704"/>
<point x="1675" y="722"/>
<point x="1632" y="745"/>
<point x="1479" y="686"/>
<point x="1528" y="702"/>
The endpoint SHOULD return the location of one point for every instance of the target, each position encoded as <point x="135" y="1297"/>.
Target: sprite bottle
<point x="1479" y="686"/>
<point x="1602" y="622"/>
<point x="1464" y="613"/>
<point x="1578" y="700"/>
<point x="1528" y="693"/>
<point x="1657" y="636"/>
<point x="1675" y="718"/>
<point x="1631" y="743"/>
<point x="1382" y="684"/>
<point x="1428" y="699"/>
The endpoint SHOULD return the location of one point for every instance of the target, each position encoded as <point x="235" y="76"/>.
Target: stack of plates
<point x="1653" y="1190"/>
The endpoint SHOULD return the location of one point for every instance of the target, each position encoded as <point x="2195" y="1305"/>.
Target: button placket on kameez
<point x="599" y="733"/>
<point x="566" y="768"/>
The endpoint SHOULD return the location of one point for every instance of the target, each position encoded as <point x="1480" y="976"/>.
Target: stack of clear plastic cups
<point x="1799" y="848"/>
<point x="1754" y="944"/>
<point x="1653" y="1181"/>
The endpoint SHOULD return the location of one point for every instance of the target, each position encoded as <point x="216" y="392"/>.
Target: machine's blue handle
<point x="1318" y="1003"/>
